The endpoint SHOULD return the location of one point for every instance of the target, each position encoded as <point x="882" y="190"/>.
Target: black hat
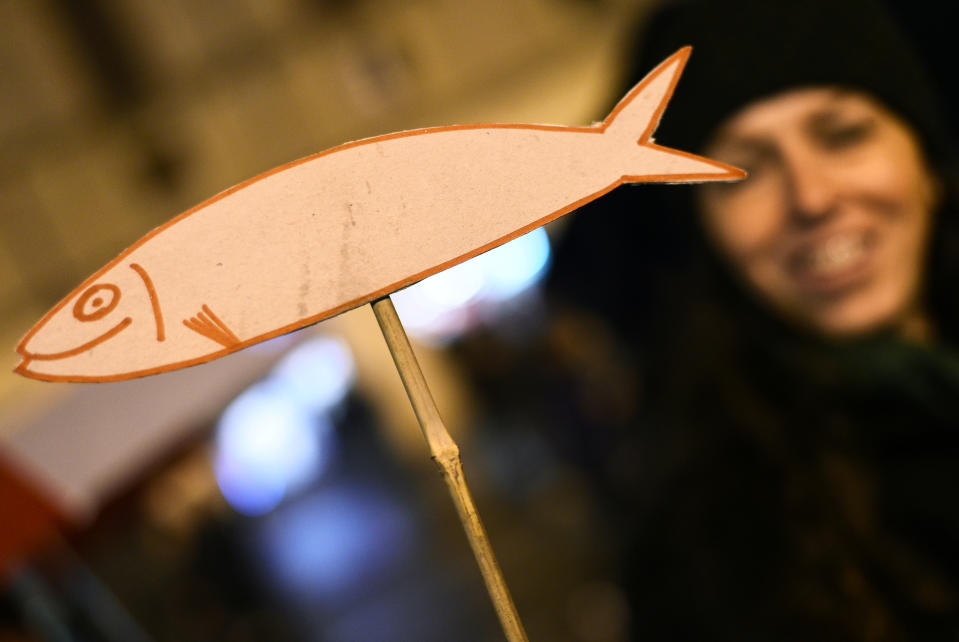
<point x="746" y="50"/>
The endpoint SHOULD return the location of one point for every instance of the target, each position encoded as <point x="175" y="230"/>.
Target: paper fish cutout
<point x="323" y="234"/>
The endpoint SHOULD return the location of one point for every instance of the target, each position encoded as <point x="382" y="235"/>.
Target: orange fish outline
<point x="681" y="57"/>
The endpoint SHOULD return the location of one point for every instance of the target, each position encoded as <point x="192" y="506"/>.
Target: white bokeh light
<point x="318" y="372"/>
<point x="515" y="266"/>
<point x="448" y="303"/>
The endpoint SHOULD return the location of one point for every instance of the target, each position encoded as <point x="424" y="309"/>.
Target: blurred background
<point x="282" y="493"/>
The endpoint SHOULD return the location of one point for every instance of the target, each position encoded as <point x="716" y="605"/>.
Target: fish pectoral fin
<point x="212" y="327"/>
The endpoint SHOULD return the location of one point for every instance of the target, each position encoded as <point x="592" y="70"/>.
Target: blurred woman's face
<point x="832" y="225"/>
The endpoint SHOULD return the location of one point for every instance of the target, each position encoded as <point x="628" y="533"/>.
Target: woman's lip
<point x="833" y="264"/>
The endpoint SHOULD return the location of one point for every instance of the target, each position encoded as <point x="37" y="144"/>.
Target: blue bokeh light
<point x="267" y="446"/>
<point x="276" y="437"/>
<point x="336" y="541"/>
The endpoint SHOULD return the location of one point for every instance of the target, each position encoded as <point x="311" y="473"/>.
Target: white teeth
<point x="835" y="254"/>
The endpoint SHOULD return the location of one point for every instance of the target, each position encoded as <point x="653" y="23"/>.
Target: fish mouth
<point x="23" y="368"/>
<point x="52" y="356"/>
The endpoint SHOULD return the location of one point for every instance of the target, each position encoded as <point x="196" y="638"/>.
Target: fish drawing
<point x="332" y="231"/>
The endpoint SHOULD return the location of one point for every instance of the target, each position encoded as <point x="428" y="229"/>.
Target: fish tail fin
<point x="635" y="118"/>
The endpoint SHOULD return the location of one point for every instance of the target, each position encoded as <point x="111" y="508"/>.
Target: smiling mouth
<point x="834" y="264"/>
<point x="35" y="356"/>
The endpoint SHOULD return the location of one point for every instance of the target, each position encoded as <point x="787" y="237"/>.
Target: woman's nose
<point x="811" y="192"/>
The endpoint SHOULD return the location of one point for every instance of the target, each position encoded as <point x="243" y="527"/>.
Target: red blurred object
<point x="28" y="519"/>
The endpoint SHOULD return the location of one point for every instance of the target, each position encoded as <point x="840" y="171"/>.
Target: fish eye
<point x="97" y="302"/>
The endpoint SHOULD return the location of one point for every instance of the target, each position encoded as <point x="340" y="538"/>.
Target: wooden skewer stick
<point x="446" y="454"/>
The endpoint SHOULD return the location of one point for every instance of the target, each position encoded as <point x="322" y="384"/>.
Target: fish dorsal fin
<point x="637" y="115"/>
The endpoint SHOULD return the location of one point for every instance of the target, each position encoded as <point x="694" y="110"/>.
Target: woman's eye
<point x="841" y="136"/>
<point x="97" y="302"/>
